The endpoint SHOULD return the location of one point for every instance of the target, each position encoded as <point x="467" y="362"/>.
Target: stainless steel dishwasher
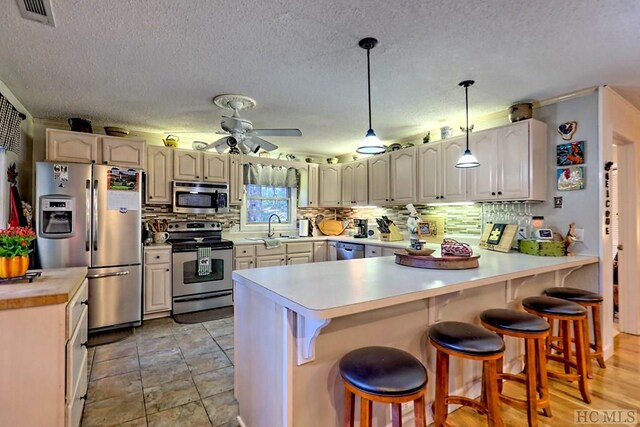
<point x="349" y="250"/>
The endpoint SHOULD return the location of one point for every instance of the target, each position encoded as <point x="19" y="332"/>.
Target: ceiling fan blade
<point x="277" y="132"/>
<point x="265" y="145"/>
<point x="218" y="145"/>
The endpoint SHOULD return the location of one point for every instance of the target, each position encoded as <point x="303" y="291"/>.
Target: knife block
<point x="393" y="235"/>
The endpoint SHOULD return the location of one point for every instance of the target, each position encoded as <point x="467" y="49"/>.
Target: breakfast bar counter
<point x="294" y="323"/>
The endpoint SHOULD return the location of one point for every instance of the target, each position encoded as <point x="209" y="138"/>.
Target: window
<point x="264" y="200"/>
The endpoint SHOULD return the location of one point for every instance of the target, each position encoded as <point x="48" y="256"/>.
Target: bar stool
<point x="473" y="342"/>
<point x="566" y="312"/>
<point x="534" y="330"/>
<point x="384" y="375"/>
<point x="586" y="299"/>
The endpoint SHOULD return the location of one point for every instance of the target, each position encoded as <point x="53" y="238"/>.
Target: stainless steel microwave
<point x="200" y="197"/>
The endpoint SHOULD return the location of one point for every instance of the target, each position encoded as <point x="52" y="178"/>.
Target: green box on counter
<point x="534" y="247"/>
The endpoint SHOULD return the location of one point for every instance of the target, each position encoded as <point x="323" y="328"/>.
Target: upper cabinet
<point x="236" y="184"/>
<point x="379" y="167"/>
<point x="513" y="163"/>
<point x="438" y="178"/>
<point x="187" y="165"/>
<point x="313" y="185"/>
<point x="123" y="152"/>
<point x="403" y="176"/>
<point x="159" y="174"/>
<point x="215" y="167"/>
<point x="330" y="185"/>
<point x="354" y="183"/>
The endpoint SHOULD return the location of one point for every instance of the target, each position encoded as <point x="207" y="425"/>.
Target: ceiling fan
<point x="240" y="134"/>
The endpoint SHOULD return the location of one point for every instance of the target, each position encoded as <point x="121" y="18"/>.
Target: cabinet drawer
<point x="372" y="251"/>
<point x="75" y="307"/>
<point x="261" y="250"/>
<point x="158" y="256"/>
<point x="299" y="247"/>
<point x="77" y="399"/>
<point x="76" y="354"/>
<point x="245" y="250"/>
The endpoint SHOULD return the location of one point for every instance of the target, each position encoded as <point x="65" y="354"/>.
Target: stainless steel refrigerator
<point x="90" y="215"/>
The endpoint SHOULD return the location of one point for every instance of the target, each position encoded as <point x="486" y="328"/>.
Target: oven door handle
<point x="188" y="299"/>
<point x="216" y="199"/>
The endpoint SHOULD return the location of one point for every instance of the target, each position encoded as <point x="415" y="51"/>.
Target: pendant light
<point x="467" y="160"/>
<point x="371" y="143"/>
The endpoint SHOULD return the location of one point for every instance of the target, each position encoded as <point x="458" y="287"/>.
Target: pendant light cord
<point x="466" y="107"/>
<point x="369" y="84"/>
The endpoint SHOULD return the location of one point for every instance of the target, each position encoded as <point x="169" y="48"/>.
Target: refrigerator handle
<point x="103" y="275"/>
<point x="95" y="215"/>
<point x="87" y="222"/>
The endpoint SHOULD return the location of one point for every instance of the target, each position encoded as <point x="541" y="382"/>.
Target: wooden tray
<point x="436" y="263"/>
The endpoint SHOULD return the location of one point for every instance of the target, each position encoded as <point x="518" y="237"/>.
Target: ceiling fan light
<point x="467" y="160"/>
<point x="371" y="144"/>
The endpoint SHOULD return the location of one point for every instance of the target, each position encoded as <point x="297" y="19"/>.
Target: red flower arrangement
<point x="15" y="241"/>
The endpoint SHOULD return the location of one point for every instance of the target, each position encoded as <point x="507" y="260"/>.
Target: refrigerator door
<point x="115" y="296"/>
<point x="117" y="226"/>
<point x="64" y="236"/>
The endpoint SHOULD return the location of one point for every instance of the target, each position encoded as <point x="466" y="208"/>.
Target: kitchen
<point x="579" y="206"/>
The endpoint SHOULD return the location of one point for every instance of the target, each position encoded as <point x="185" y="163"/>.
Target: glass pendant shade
<point x="467" y="160"/>
<point x="371" y="144"/>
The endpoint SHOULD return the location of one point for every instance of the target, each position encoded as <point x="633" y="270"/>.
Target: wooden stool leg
<point x="490" y="373"/>
<point x="587" y="347"/>
<point x="442" y="389"/>
<point x="500" y="367"/>
<point x="365" y="412"/>
<point x="566" y="344"/>
<point x="396" y="415"/>
<point x="551" y="334"/>
<point x="543" y="380"/>
<point x="581" y="360"/>
<point x="532" y="395"/>
<point x="349" y="405"/>
<point x="597" y="334"/>
<point x="420" y="412"/>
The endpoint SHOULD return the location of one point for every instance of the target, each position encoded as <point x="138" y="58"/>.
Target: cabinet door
<point x="348" y="198"/>
<point x="159" y="174"/>
<point x="187" y="165"/>
<point x="513" y="157"/>
<point x="236" y="185"/>
<point x="64" y="146"/>
<point x="304" y="258"/>
<point x="360" y="183"/>
<point x="387" y="251"/>
<point x="332" y="252"/>
<point x="482" y="180"/>
<point x="319" y="251"/>
<point x="330" y="185"/>
<point x="270" y="261"/>
<point x="157" y="287"/>
<point x="403" y="176"/>
<point x="215" y="167"/>
<point x="379" y="180"/>
<point x="123" y="152"/>
<point x="371" y="251"/>
<point x="454" y="180"/>
<point x="313" y="185"/>
<point x="244" y="263"/>
<point x="429" y="173"/>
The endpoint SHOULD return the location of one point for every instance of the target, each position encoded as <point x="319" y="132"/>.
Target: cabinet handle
<point x="442" y="197"/>
<point x="493" y="193"/>
<point x="150" y="197"/>
<point x="310" y="203"/>
<point x="437" y="197"/>
<point x="157" y="256"/>
<point x="84" y="344"/>
<point x="197" y="176"/>
<point x="93" y="161"/>
<point x="386" y="200"/>
<point x="85" y="302"/>
<point x="373" y="252"/>
<point x="250" y="262"/>
<point x="206" y="177"/>
<point x="499" y="193"/>
<point x="167" y="269"/>
<point x="83" y="397"/>
<point x="282" y="259"/>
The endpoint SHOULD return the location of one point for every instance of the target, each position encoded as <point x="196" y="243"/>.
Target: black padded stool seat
<point x="551" y="305"/>
<point x="466" y="338"/>
<point x="383" y="371"/>
<point x="573" y="294"/>
<point x="512" y="320"/>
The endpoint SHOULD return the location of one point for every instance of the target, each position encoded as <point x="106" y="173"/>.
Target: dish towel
<point x="272" y="243"/>
<point x="204" y="261"/>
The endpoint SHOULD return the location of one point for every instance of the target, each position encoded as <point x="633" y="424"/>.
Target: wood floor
<point x="616" y="387"/>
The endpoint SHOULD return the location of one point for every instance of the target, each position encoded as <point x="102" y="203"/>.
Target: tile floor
<point x="165" y="374"/>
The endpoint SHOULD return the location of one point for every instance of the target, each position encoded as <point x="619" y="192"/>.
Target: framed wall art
<point x="571" y="178"/>
<point x="570" y="154"/>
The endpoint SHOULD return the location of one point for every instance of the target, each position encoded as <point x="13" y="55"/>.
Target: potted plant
<point x="14" y="251"/>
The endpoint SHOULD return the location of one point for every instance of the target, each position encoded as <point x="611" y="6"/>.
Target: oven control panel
<point x="186" y="226"/>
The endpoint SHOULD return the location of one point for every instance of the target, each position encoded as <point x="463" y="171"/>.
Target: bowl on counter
<point x="116" y="131"/>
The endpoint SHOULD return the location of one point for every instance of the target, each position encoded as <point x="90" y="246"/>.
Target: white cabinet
<point x="513" y="163"/>
<point x="236" y="184"/>
<point x="187" y="165"/>
<point x="123" y="152"/>
<point x="159" y="174"/>
<point x="330" y="185"/>
<point x="299" y="253"/>
<point x="403" y="176"/>
<point x="319" y="251"/>
<point x="313" y="185"/>
<point x="379" y="167"/>
<point x="270" y="261"/>
<point x="244" y="257"/>
<point x="67" y="146"/>
<point x="374" y="251"/>
<point x="354" y="183"/>
<point x="157" y="280"/>
<point x="438" y="178"/>
<point x="215" y="167"/>
<point x="332" y="252"/>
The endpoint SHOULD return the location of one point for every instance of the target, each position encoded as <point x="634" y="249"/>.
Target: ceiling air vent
<point x="37" y="10"/>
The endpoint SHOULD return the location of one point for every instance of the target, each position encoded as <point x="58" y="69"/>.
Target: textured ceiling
<point x="156" y="65"/>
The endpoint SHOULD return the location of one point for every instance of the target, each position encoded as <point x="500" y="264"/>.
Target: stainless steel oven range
<point x="195" y="288"/>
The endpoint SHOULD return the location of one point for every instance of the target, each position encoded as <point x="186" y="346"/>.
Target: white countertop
<point x="241" y="240"/>
<point x="326" y="290"/>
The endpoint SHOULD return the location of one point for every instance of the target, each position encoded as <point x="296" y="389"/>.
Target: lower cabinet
<point x="320" y="251"/>
<point x="372" y="251"/>
<point x="157" y="280"/>
<point x="270" y="261"/>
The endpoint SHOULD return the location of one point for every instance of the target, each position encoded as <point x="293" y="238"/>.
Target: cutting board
<point x="433" y="229"/>
<point x="332" y="227"/>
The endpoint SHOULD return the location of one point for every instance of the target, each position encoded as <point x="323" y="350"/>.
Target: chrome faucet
<point x="269" y="233"/>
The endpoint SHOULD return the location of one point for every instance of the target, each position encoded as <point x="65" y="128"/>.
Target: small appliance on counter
<point x="305" y="229"/>
<point x="361" y="228"/>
